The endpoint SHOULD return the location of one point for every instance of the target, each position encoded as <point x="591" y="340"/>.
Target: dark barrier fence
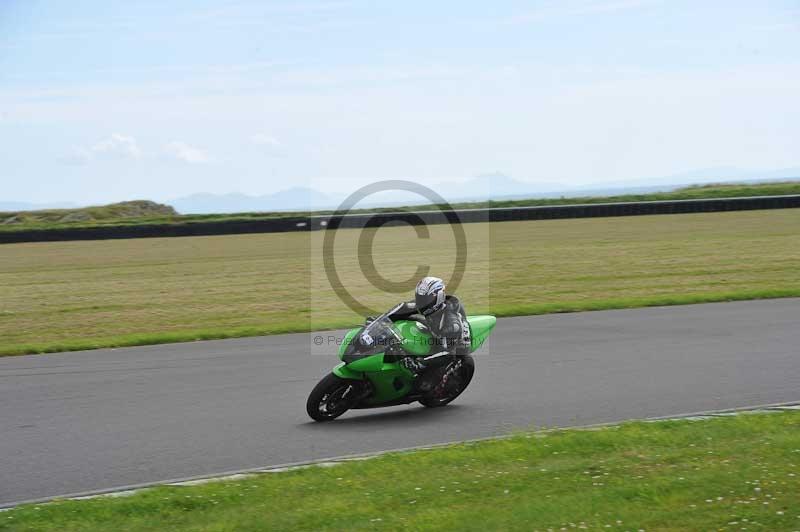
<point x="279" y="225"/>
<point x="229" y="227"/>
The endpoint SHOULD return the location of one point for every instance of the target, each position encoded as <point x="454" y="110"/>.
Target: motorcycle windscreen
<point x="348" y="340"/>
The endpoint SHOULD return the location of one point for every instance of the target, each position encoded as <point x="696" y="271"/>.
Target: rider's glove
<point x="413" y="364"/>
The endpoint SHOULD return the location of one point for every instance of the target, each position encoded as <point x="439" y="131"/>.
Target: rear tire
<point x="466" y="373"/>
<point x="329" y="398"/>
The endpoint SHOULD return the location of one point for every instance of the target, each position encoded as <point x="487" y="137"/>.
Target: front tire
<point x="331" y="398"/>
<point x="465" y="377"/>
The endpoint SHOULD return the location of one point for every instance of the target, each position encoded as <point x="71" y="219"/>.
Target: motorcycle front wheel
<point x="330" y="398"/>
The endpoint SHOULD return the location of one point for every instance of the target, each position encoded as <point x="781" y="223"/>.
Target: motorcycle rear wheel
<point x="465" y="376"/>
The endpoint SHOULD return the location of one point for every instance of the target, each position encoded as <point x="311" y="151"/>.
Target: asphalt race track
<point x="95" y="420"/>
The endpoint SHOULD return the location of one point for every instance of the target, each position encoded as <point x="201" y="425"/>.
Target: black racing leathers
<point x="448" y="326"/>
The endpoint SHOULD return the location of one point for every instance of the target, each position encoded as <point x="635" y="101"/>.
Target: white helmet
<point x="429" y="295"/>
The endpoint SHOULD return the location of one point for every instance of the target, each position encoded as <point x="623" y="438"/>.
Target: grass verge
<point x="142" y="339"/>
<point x="62" y="296"/>
<point x="727" y="473"/>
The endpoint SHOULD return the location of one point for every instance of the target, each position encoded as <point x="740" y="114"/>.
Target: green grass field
<point x="78" y="295"/>
<point x="733" y="473"/>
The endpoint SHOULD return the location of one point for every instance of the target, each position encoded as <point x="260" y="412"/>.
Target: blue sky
<point x="104" y="101"/>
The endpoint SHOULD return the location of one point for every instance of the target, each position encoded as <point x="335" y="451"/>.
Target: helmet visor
<point x="425" y="301"/>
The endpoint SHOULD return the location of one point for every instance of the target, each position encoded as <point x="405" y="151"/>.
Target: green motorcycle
<point x="371" y="374"/>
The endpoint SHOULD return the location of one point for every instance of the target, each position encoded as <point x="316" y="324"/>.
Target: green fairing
<point x="384" y="383"/>
<point x="391" y="380"/>
<point x="382" y="378"/>
<point x="415" y="340"/>
<point x="368" y="364"/>
<point x="347" y="340"/>
<point x="341" y="370"/>
<point x="480" y="327"/>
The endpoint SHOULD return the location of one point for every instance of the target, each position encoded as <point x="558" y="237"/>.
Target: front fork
<point x="359" y="389"/>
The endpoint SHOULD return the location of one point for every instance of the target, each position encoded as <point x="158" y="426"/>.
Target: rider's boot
<point x="426" y="370"/>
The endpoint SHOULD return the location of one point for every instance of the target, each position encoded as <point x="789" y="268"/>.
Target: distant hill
<point x="496" y="187"/>
<point x="126" y="210"/>
<point x="717" y="174"/>
<point x="140" y="213"/>
<point x="490" y="186"/>
<point x="295" y="198"/>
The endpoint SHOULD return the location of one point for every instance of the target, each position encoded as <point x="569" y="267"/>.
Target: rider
<point x="446" y="319"/>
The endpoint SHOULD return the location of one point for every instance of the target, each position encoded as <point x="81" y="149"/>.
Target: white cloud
<point x="265" y="140"/>
<point x="269" y="144"/>
<point x="118" y="145"/>
<point x="186" y="153"/>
